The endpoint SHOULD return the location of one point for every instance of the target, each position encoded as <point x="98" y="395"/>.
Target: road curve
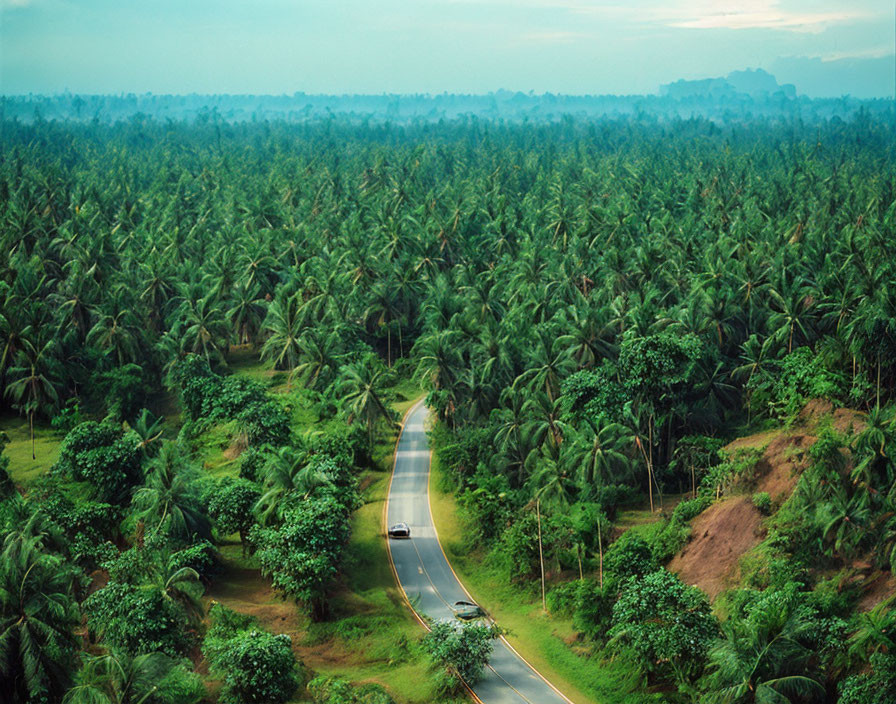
<point x="427" y="579"/>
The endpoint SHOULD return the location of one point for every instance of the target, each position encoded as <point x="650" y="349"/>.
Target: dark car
<point x="467" y="611"/>
<point x="400" y="530"/>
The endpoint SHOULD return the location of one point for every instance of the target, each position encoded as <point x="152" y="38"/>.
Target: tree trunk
<point x="31" y="418"/>
<point x="600" y="552"/>
<point x="544" y="604"/>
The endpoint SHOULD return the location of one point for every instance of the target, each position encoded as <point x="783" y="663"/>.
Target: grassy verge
<point x="371" y="636"/>
<point x="22" y="468"/>
<point x="546" y="641"/>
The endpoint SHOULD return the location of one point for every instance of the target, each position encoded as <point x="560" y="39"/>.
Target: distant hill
<point x="755" y="83"/>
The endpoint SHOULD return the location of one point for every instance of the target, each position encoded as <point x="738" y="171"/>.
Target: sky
<point x="824" y="47"/>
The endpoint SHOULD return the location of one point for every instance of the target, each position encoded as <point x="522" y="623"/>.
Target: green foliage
<point x="302" y="555"/>
<point x="230" y="505"/>
<point x="782" y="389"/>
<point x="89" y="526"/>
<point x="590" y="606"/>
<point x="151" y="601"/>
<point x="630" y="556"/>
<point x="763" y="502"/>
<point x="666" y="622"/>
<point x="68" y="417"/>
<point x="209" y="396"/>
<point x="517" y="551"/>
<point x="117" y="678"/>
<point x="875" y="687"/>
<point x="689" y="509"/>
<point x="38" y="615"/>
<point x="103" y="455"/>
<point x="138" y="620"/>
<point x="458" y="653"/>
<point x="256" y="667"/>
<point x="333" y="690"/>
<point x="766" y="651"/>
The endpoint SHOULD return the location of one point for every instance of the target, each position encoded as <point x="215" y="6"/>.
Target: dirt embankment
<point x="721" y="535"/>
<point x="726" y="531"/>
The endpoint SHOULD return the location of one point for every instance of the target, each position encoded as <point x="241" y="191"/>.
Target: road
<point x="428" y="581"/>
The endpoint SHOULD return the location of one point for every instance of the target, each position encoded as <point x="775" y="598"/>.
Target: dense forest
<point x="593" y="309"/>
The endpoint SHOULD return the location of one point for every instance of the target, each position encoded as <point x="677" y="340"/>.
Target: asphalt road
<point x="428" y="581"/>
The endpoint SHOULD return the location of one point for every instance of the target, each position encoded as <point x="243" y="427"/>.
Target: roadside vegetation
<point x="209" y="331"/>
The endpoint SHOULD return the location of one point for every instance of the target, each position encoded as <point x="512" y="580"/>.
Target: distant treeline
<point x="501" y="105"/>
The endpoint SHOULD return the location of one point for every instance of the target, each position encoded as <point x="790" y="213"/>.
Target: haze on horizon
<point x="824" y="48"/>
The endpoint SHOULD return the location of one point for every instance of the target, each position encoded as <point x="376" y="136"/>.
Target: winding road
<point x="428" y="581"/>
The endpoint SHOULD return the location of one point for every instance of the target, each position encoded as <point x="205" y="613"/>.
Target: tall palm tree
<point x="38" y="615"/>
<point x="118" y="678"/>
<point x="762" y="659"/>
<point x="361" y="389"/>
<point x="169" y="498"/>
<point x="284" y="325"/>
<point x="32" y="381"/>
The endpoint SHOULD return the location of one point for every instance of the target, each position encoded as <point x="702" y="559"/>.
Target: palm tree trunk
<point x="31" y="419"/>
<point x="544" y="603"/>
<point x="600" y="552"/>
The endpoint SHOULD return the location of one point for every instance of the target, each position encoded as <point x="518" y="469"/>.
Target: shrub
<point x="458" y="654"/>
<point x="763" y="502"/>
<point x="103" y="455"/>
<point x="333" y="690"/>
<point x="256" y="667"/>
<point x="138" y="620"/>
<point x="665" y="621"/>
<point x="630" y="556"/>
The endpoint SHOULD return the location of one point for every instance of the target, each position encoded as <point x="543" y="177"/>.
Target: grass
<point x="547" y="642"/>
<point x="22" y="468"/>
<point x="371" y="636"/>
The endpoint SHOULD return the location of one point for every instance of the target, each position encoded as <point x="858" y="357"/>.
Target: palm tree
<point x="288" y="471"/>
<point x="599" y="454"/>
<point x="761" y="658"/>
<point x="246" y="313"/>
<point x="117" y="331"/>
<point x="169" y="498"/>
<point x="118" y="678"/>
<point x="38" y="616"/>
<point x="202" y="327"/>
<point x="32" y="385"/>
<point x="284" y="325"/>
<point x="361" y="389"/>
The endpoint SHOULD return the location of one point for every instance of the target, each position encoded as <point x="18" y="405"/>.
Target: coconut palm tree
<point x="32" y="382"/>
<point x="118" y="678"/>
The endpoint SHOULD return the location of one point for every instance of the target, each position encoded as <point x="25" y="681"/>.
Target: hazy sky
<point x="431" y="46"/>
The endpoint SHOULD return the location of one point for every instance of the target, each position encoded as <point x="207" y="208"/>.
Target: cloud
<point x="872" y="53"/>
<point x="755" y="14"/>
<point x="13" y="4"/>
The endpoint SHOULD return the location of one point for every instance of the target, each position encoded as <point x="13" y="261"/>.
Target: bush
<point x="138" y="620"/>
<point x="665" y="622"/>
<point x="763" y="502"/>
<point x="590" y="606"/>
<point x="230" y="504"/>
<point x="256" y="667"/>
<point x="333" y="690"/>
<point x="458" y="654"/>
<point x="689" y="509"/>
<point x="781" y="389"/>
<point x="103" y="455"/>
<point x="630" y="556"/>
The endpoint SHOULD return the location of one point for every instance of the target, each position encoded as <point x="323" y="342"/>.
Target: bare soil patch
<point x="721" y="536"/>
<point x="780" y="466"/>
<point x="879" y="590"/>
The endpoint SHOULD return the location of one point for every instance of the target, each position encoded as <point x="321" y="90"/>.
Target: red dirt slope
<point x="721" y="536"/>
